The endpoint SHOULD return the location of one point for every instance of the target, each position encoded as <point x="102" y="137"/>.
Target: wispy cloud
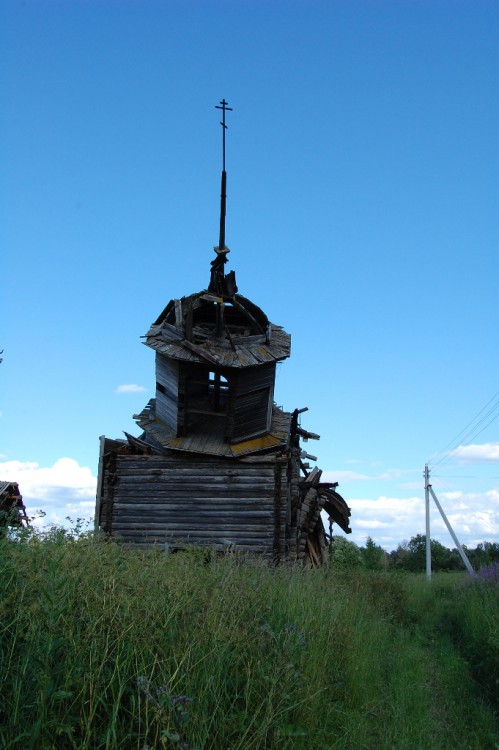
<point x="344" y="476"/>
<point x="130" y="388"/>
<point x="476" y="454"/>
<point x="355" y="476"/>
<point x="363" y="462"/>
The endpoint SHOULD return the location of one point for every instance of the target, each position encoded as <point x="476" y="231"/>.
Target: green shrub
<point x="346" y="555"/>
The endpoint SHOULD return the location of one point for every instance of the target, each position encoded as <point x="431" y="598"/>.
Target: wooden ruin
<point x="12" y="510"/>
<point x="217" y="463"/>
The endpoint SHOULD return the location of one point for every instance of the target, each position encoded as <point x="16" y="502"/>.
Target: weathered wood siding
<point x="167" y="386"/>
<point x="252" y="395"/>
<point x="178" y="499"/>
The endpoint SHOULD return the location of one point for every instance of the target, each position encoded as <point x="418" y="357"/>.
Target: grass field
<point x="106" y="647"/>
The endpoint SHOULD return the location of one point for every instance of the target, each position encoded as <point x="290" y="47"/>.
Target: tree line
<point x="410" y="555"/>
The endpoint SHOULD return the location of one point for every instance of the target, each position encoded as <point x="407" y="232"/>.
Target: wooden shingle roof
<point x="223" y="331"/>
<point x="211" y="442"/>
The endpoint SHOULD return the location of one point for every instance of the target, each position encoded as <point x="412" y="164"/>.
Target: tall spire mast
<point x="223" y="193"/>
<point x="220" y="284"/>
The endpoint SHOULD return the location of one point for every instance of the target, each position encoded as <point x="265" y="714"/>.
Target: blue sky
<point x="363" y="216"/>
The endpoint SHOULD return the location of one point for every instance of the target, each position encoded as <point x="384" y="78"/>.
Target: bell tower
<point x="216" y="355"/>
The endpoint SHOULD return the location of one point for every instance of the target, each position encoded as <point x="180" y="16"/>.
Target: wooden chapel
<point x="217" y="463"/>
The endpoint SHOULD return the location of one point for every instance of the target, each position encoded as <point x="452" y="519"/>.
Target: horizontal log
<point x="181" y="470"/>
<point x="189" y="503"/>
<point x="167" y="488"/>
<point x="184" y="529"/>
<point x="172" y="511"/>
<point x="166" y="547"/>
<point x="220" y="535"/>
<point x="165" y="515"/>
<point x="195" y="478"/>
<point x="262" y="524"/>
<point x="187" y="485"/>
<point x="189" y="499"/>
<point x="179" y="530"/>
<point x="194" y="515"/>
<point x="172" y="457"/>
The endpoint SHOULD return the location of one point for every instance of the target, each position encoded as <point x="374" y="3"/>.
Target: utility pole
<point x="427" y="510"/>
<point x="428" y="492"/>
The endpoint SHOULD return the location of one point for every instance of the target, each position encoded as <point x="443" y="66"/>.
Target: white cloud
<point x="131" y="388"/>
<point x="474" y="454"/>
<point x="389" y="520"/>
<point x="66" y="488"/>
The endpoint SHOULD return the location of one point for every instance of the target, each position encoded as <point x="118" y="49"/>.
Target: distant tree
<point x="374" y="557"/>
<point x="411" y="556"/>
<point x="346" y="554"/>
<point x="485" y="553"/>
<point x="399" y="555"/>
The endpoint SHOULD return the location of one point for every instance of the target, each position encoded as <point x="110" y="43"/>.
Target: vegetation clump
<point x="106" y="646"/>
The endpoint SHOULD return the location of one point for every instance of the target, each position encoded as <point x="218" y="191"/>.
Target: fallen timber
<point x="12" y="510"/>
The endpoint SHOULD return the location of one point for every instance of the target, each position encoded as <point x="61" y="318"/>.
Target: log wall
<point x="178" y="500"/>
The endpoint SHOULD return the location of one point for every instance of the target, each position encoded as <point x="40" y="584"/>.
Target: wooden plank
<point x="208" y="531"/>
<point x="236" y="514"/>
<point x="187" y="501"/>
<point x="201" y="352"/>
<point x="313" y="478"/>
<point x="199" y="494"/>
<point x="100" y="480"/>
<point x="178" y="313"/>
<point x="197" y="535"/>
<point x="181" y="480"/>
<point x="169" y="332"/>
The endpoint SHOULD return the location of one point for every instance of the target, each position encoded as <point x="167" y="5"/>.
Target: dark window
<point x="206" y="400"/>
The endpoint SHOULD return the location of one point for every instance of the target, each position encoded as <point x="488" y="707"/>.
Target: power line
<point x="466" y="427"/>
<point x="468" y="433"/>
<point x="463" y="476"/>
<point x="471" y="435"/>
<point x="452" y="454"/>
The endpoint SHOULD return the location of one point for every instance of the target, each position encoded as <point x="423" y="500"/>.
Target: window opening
<point x="218" y="391"/>
<point x="206" y="401"/>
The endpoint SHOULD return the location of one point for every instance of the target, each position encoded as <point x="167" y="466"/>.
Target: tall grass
<point x="103" y="646"/>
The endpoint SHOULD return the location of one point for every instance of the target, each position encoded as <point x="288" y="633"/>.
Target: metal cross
<point x="224" y="108"/>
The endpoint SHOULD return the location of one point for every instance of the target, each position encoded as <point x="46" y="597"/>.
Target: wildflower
<point x="292" y="629"/>
<point x="162" y="690"/>
<point x="489" y="574"/>
<point x="182" y="700"/>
